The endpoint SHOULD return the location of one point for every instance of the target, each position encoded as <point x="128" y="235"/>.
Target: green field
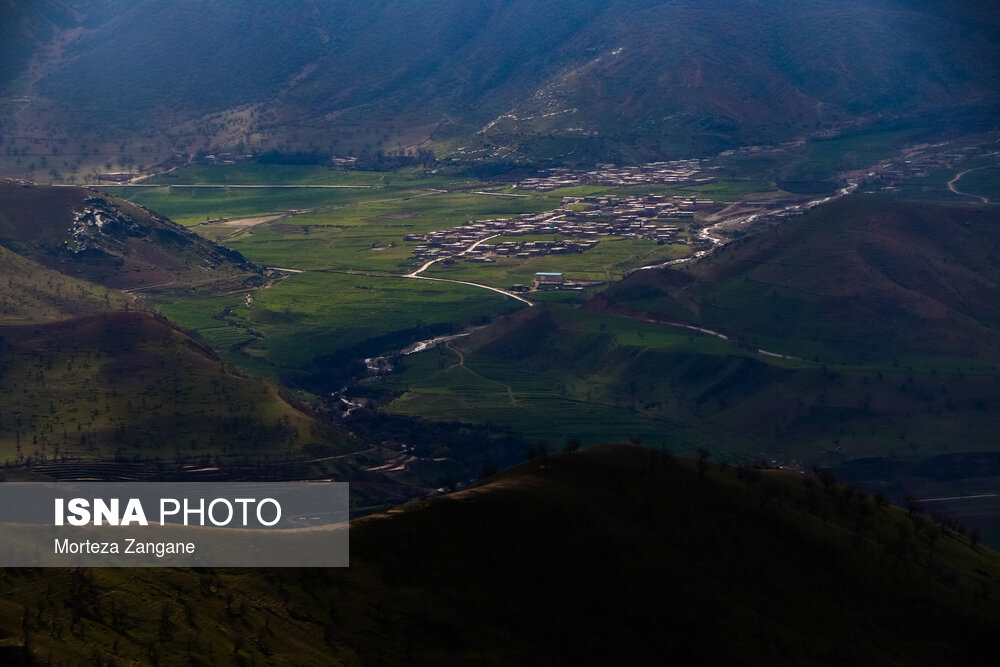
<point x="724" y="189"/>
<point x="368" y="235"/>
<point x="825" y="158"/>
<point x="592" y="377"/>
<point x="313" y="315"/>
<point x="820" y="159"/>
<point x="612" y="257"/>
<point x="263" y="174"/>
<point x="350" y="243"/>
<point x="932" y="187"/>
<point x="191" y="206"/>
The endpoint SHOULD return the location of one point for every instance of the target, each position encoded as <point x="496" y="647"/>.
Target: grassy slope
<point x="30" y="293"/>
<point x="560" y="373"/>
<point x="615" y="554"/>
<point x="311" y="321"/>
<point x="131" y="386"/>
<point x="860" y="281"/>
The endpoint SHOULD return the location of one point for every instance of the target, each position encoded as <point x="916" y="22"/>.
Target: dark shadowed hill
<point x="573" y="80"/>
<point x="129" y="386"/>
<point x="109" y="241"/>
<point x="860" y="280"/>
<point x="614" y="555"/>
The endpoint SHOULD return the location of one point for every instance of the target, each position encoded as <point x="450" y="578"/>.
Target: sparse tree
<point x="703" y="460"/>
<point x="974" y="537"/>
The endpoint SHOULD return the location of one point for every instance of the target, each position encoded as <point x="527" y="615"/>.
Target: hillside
<point x="32" y="294"/>
<point x="129" y="386"/>
<point x="109" y="241"/>
<point x="562" y="375"/>
<point x="563" y="81"/>
<point x="860" y="280"/>
<point x="612" y="555"/>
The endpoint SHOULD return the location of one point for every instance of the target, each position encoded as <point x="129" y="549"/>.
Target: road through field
<point x="416" y="274"/>
<point x="463" y="282"/>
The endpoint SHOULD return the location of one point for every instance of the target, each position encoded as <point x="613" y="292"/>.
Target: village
<point x="677" y="171"/>
<point x="581" y="220"/>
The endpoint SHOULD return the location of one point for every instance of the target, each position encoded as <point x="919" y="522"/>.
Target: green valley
<point x="605" y="331"/>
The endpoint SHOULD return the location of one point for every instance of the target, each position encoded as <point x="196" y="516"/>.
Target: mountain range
<point x="525" y="79"/>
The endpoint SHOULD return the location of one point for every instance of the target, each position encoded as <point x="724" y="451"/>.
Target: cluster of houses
<point x="677" y="171"/>
<point x="579" y="223"/>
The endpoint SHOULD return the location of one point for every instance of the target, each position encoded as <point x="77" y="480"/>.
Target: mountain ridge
<point x="627" y="80"/>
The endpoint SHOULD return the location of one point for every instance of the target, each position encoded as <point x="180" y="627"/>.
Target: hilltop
<point x="615" y="554"/>
<point x="109" y="241"/>
<point x="528" y="80"/>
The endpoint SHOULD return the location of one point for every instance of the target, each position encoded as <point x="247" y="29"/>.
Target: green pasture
<point x="543" y="398"/>
<point x="816" y="160"/>
<point x="933" y="187"/>
<point x="265" y="174"/>
<point x="313" y="314"/>
<point x="536" y="404"/>
<point x="191" y="206"/>
<point x="822" y="159"/>
<point x="569" y="373"/>
<point x="282" y="174"/>
<point x="369" y="235"/>
<point x="607" y="261"/>
<point x="723" y="189"/>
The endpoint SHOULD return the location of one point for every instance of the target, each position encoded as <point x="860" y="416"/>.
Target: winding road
<point x="959" y="175"/>
<point x="416" y="274"/>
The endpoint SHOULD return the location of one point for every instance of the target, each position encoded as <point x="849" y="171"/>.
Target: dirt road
<point x="959" y="175"/>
